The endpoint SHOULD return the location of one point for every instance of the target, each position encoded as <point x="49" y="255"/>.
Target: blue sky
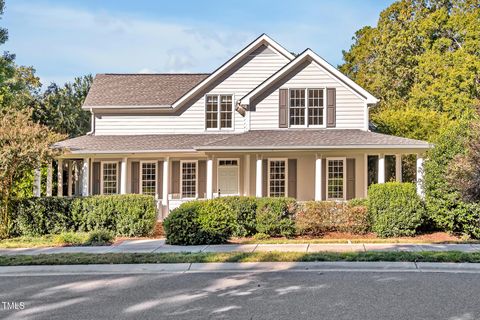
<point x="64" y="39"/>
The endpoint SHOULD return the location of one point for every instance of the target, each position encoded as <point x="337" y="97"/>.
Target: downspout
<point x="92" y="123"/>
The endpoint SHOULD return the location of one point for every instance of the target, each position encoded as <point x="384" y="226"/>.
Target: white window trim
<point x="101" y="175"/>
<point x="306" y="125"/>
<point x="181" y="179"/>
<point x="286" y="174"/>
<point x="219" y="112"/>
<point x="140" y="181"/>
<point x="238" y="175"/>
<point x="344" y="178"/>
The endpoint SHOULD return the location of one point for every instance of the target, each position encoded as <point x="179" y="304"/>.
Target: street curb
<point x="104" y="269"/>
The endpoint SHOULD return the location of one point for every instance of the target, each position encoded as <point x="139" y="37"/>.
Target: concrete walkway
<point x="159" y="246"/>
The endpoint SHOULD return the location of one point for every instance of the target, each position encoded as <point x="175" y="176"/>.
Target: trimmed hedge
<point x="274" y="216"/>
<point x="244" y="209"/>
<point x="395" y="209"/>
<point x="314" y="218"/>
<point x="123" y="215"/>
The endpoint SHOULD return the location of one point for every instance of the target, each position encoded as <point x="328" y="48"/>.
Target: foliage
<point x="24" y="145"/>
<point x="217" y="221"/>
<point x="182" y="226"/>
<point x="314" y="218"/>
<point x="245" y="211"/>
<point x="395" y="209"/>
<point x="261" y="236"/>
<point x="60" y="108"/>
<point x="99" y="237"/>
<point x="274" y="216"/>
<point x="41" y="216"/>
<point x="71" y="238"/>
<point x="422" y="61"/>
<point x="124" y="215"/>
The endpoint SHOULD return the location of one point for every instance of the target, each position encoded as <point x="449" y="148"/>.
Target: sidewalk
<point x="159" y="246"/>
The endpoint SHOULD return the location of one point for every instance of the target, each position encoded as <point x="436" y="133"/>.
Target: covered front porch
<point x="174" y="178"/>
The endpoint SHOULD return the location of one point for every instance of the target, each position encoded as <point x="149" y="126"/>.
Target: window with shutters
<point x="307" y="108"/>
<point x="219" y="112"/>
<point x="336" y="176"/>
<point x="148" y="178"/>
<point x="188" y="179"/>
<point x="109" y="177"/>
<point x="277" y="177"/>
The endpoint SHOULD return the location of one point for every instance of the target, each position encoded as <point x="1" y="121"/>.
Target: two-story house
<point x="266" y="123"/>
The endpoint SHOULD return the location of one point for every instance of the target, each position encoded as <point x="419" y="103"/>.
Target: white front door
<point x="228" y="177"/>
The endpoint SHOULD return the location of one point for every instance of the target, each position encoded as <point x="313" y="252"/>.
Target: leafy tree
<point x="24" y="145"/>
<point x="60" y="108"/>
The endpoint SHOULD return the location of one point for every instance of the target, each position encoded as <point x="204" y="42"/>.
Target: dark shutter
<point x="175" y="176"/>
<point x="265" y="178"/>
<point x="331" y="107"/>
<point x="135" y="182"/>
<point x="202" y="179"/>
<point x="119" y="176"/>
<point x="350" y="179"/>
<point x="324" y="179"/>
<point x="292" y="178"/>
<point x="283" y="108"/>
<point x="160" y="180"/>
<point x="96" y="178"/>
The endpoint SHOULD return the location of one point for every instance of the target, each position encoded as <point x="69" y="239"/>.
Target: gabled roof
<point x="309" y="54"/>
<point x="291" y="139"/>
<point x="159" y="90"/>
<point x="262" y="40"/>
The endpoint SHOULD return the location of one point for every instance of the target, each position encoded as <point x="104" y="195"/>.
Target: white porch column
<point x="59" y="177"/>
<point x="420" y="190"/>
<point x="318" y="178"/>
<point x="123" y="176"/>
<point x="259" y="178"/>
<point x="246" y="179"/>
<point x="37" y="183"/>
<point x="165" y="186"/>
<point x="85" y="176"/>
<point x="209" y="178"/>
<point x="69" y="177"/>
<point x="381" y="168"/>
<point x="49" y="179"/>
<point x="398" y="167"/>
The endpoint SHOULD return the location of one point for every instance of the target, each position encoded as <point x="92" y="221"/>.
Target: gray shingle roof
<point x="140" y="89"/>
<point x="253" y="140"/>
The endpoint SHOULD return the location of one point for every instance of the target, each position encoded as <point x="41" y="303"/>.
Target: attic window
<point x="306" y="108"/>
<point x="219" y="112"/>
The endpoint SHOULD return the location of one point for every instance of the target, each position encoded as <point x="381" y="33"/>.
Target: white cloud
<point x="79" y="41"/>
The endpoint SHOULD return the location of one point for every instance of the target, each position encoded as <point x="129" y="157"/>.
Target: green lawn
<point x="133" y="258"/>
<point x="63" y="239"/>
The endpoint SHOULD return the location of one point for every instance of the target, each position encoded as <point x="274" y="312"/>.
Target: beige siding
<point x="247" y="75"/>
<point x="350" y="107"/>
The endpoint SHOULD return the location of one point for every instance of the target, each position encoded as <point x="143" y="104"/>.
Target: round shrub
<point x="217" y="221"/>
<point x="274" y="216"/>
<point x="99" y="238"/>
<point x="244" y="209"/>
<point x="182" y="226"/>
<point x="395" y="209"/>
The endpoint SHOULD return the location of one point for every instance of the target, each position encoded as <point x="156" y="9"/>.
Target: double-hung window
<point x="336" y="178"/>
<point x="148" y="178"/>
<point x="189" y="179"/>
<point x="109" y="177"/>
<point x="306" y="107"/>
<point x="277" y="177"/>
<point x="219" y="112"/>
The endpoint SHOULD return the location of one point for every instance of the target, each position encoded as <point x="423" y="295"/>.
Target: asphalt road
<point x="246" y="295"/>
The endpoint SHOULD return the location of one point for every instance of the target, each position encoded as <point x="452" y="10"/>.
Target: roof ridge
<point x="154" y="74"/>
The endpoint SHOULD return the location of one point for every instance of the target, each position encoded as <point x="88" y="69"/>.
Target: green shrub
<point x="244" y="209"/>
<point x="71" y="238"/>
<point x="99" y="238"/>
<point x="314" y="218"/>
<point x="261" y="236"/>
<point x="182" y="226"/>
<point x="362" y="202"/>
<point x="274" y="216"/>
<point x="124" y="215"/>
<point x="41" y="216"/>
<point x="395" y="209"/>
<point x="217" y="221"/>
